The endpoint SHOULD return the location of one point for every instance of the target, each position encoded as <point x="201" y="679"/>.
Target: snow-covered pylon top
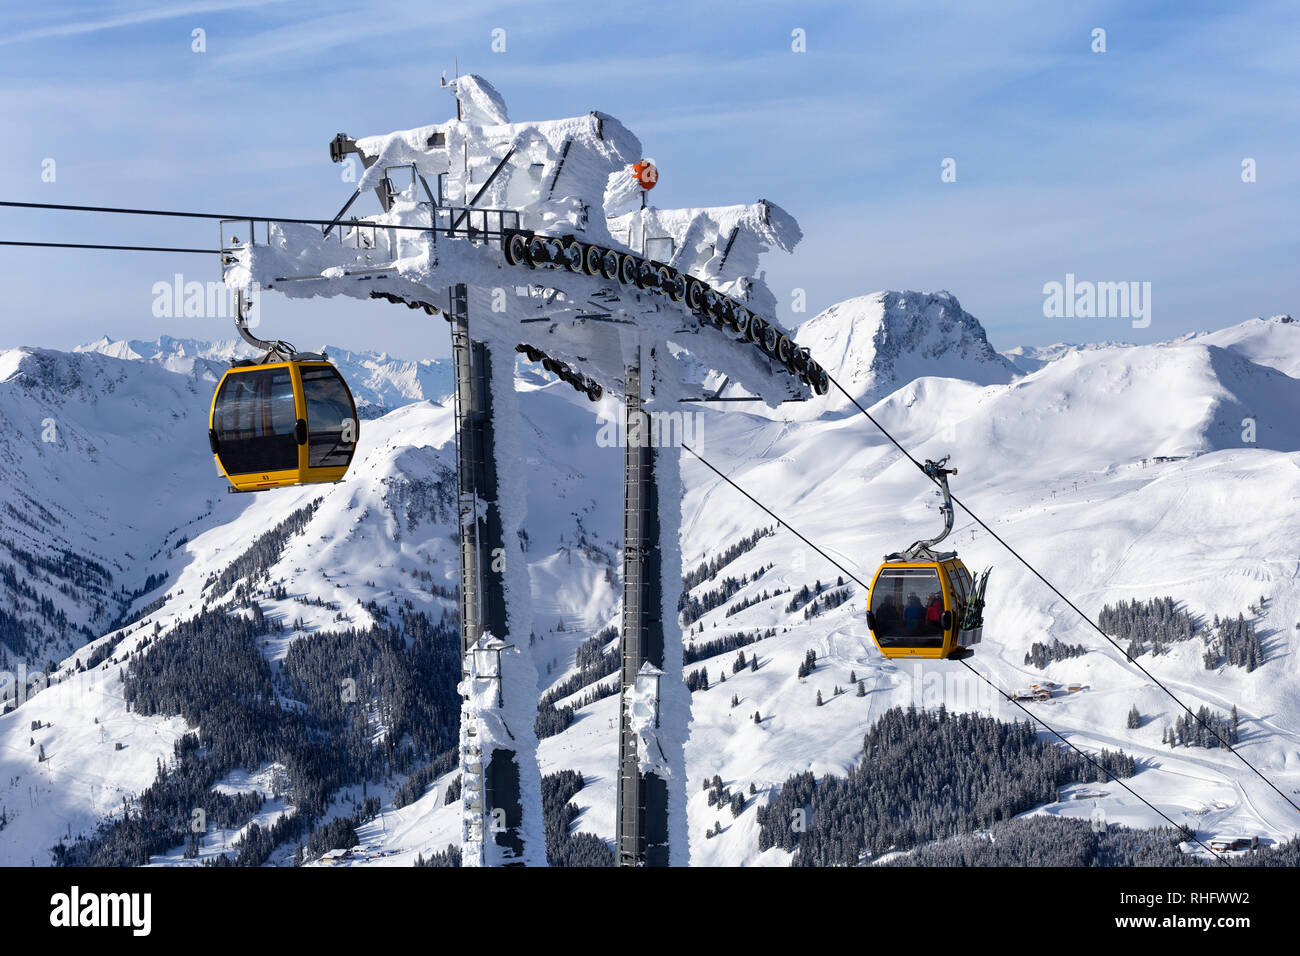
<point x="642" y="702"/>
<point x="552" y="171"/>
<point x="553" y="196"/>
<point x="480" y="103"/>
<point x="560" y="171"/>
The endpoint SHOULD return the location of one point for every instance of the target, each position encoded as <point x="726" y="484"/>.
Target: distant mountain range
<point x="378" y="381"/>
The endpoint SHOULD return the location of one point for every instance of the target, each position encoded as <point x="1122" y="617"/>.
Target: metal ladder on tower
<point x="631" y="801"/>
<point x="469" y="461"/>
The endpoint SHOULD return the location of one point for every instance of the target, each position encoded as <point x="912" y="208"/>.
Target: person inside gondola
<point x="913" y="614"/>
<point x="887" y="616"/>
<point x="934" y="615"/>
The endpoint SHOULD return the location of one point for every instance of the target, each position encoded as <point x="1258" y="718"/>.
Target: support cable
<point x="88" y="245"/>
<point x="125" y="211"/>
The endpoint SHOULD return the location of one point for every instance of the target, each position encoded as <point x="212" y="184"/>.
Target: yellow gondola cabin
<point x="916" y="608"/>
<point x="279" y="423"/>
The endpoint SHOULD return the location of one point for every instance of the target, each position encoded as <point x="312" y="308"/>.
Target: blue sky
<point x="1115" y="166"/>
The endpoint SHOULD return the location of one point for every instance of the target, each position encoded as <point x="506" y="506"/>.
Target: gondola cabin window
<point x="331" y="427"/>
<point x="281" y="424"/>
<point x="908" y="606"/>
<point x="255" y="422"/>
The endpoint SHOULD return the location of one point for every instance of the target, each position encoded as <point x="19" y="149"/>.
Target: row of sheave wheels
<point x="590" y="387"/>
<point x="630" y="269"/>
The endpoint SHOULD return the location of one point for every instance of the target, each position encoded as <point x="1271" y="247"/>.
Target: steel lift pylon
<point x="490" y="780"/>
<point x="642" y="826"/>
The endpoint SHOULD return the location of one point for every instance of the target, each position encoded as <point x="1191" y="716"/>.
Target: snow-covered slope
<point x="1119" y="472"/>
<point x="102" y="470"/>
<point x="1274" y="342"/>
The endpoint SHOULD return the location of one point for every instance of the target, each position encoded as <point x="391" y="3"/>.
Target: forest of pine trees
<point x="721" y="645"/>
<point x="708" y="570"/>
<point x="1207" y="729"/>
<point x="31" y="620"/>
<point x="127" y="615"/>
<point x="803" y="596"/>
<point x="719" y="796"/>
<point x="1040" y="655"/>
<point x="813" y="602"/>
<point x="828" y="601"/>
<point x="752" y="600"/>
<point x="1146" y="625"/>
<point x="1235" y="642"/>
<point x="1055" y="841"/>
<point x="1153" y="625"/>
<point x="694" y="608"/>
<point x="594" y="663"/>
<point x="249" y="568"/>
<point x="563" y="847"/>
<point x="1062" y="841"/>
<point x="924" y="776"/>
<point x="210" y="670"/>
<point x="447" y="857"/>
<point x="341" y="832"/>
<point x="420" y="779"/>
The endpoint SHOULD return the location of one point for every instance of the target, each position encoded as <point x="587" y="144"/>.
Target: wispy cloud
<point x="131" y="18"/>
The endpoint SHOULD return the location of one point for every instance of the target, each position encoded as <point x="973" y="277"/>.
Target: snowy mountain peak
<point x="876" y="343"/>
<point x="106" y="345"/>
<point x="48" y="370"/>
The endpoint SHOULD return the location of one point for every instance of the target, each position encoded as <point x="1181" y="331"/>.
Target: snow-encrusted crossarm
<point x="526" y="210"/>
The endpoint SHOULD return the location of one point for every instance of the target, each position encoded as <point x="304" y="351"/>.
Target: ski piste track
<point x="598" y="315"/>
